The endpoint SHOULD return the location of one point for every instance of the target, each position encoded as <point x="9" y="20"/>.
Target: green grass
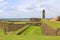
<point x="57" y="21"/>
<point x="16" y="37"/>
<point x="32" y="33"/>
<point x="1" y="32"/>
<point x="15" y="32"/>
<point x="33" y="30"/>
<point x="54" y="25"/>
<point x="19" y="22"/>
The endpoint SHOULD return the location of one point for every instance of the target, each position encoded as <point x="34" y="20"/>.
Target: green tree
<point x="58" y="18"/>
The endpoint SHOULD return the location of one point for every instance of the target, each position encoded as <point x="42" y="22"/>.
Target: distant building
<point x="54" y="19"/>
<point x="35" y="19"/>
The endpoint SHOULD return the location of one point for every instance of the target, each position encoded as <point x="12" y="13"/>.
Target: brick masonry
<point x="14" y="27"/>
<point x="11" y="27"/>
<point x="58" y="31"/>
<point x="48" y="31"/>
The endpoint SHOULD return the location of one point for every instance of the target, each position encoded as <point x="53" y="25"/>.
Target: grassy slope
<point x="33" y="30"/>
<point x="22" y="37"/>
<point x="19" y="22"/>
<point x="52" y="24"/>
<point x="15" y="32"/>
<point x="32" y="33"/>
<point x="1" y="32"/>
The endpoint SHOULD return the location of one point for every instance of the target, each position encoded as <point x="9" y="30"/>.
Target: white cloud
<point x="1" y="0"/>
<point x="23" y="8"/>
<point x="1" y="11"/>
<point x="33" y="9"/>
<point x="36" y="8"/>
<point x="3" y="3"/>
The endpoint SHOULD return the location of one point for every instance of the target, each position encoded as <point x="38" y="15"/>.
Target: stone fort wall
<point x="48" y="31"/>
<point x="10" y="27"/>
<point x="14" y="27"/>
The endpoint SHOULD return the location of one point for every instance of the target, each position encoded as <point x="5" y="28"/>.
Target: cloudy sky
<point x="29" y="8"/>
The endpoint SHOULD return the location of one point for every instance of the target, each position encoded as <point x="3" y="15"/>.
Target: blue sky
<point x="29" y="8"/>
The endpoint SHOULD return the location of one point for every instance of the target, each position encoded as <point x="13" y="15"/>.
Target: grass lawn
<point x="22" y="37"/>
<point x="33" y="30"/>
<point x="53" y="24"/>
<point x="19" y="22"/>
<point x="15" y="32"/>
<point x="1" y="32"/>
<point x="32" y="33"/>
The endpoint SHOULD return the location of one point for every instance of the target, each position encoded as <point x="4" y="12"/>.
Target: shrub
<point x="58" y="18"/>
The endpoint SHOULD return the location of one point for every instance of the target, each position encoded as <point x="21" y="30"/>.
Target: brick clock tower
<point x="43" y="14"/>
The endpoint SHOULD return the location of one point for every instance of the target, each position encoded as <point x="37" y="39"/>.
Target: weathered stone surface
<point x="47" y="30"/>
<point x="10" y="27"/>
<point x="58" y="32"/>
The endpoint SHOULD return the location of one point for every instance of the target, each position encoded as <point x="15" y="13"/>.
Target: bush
<point x="58" y="18"/>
